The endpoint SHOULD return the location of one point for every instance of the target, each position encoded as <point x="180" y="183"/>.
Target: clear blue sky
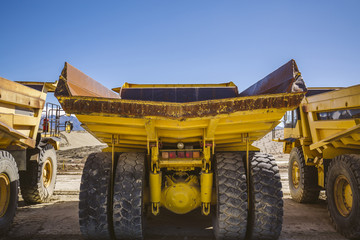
<point x="184" y="41"/>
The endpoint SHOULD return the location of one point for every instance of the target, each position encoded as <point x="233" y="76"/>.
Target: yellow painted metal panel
<point x="180" y="134"/>
<point x="20" y="113"/>
<point x="176" y="163"/>
<point x="113" y="129"/>
<point x="341" y="99"/>
<point x="25" y="120"/>
<point x="335" y="137"/>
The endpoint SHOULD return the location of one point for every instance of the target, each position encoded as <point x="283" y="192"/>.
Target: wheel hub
<point x="4" y="193"/>
<point x="47" y="173"/>
<point x="343" y="195"/>
<point x="295" y="174"/>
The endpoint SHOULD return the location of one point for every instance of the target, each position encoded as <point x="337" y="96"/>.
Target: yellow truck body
<point x="328" y="126"/>
<point x="322" y="135"/>
<point x="179" y="130"/>
<point x="20" y="113"/>
<point x="135" y="123"/>
<point x="24" y="154"/>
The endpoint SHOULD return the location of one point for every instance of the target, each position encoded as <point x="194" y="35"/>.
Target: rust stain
<point x="177" y="111"/>
<point x="73" y="82"/>
<point x="80" y="94"/>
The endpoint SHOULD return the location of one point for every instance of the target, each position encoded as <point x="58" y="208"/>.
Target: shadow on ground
<point x="59" y="220"/>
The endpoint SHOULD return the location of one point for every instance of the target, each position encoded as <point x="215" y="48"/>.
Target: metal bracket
<point x="207" y="157"/>
<point x="205" y="209"/>
<point x="155" y="159"/>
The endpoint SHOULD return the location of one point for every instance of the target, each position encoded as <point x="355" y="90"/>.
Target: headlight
<point x="180" y="145"/>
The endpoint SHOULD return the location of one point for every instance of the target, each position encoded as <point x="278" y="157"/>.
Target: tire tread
<point x="32" y="189"/>
<point x="232" y="212"/>
<point x="309" y="190"/>
<point x="266" y="207"/>
<point x="351" y="162"/>
<point x="6" y="162"/>
<point x="128" y="196"/>
<point x="94" y="197"/>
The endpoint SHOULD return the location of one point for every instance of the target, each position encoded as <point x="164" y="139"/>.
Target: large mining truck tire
<point x="231" y="213"/>
<point x="265" y="195"/>
<point x="343" y="194"/>
<point x="128" y="210"/>
<point x="9" y="190"/>
<point x="37" y="184"/>
<point x="303" y="179"/>
<point x="94" y="216"/>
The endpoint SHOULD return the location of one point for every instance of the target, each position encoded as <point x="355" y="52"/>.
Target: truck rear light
<point x="189" y="154"/>
<point x="172" y="154"/>
<point x="196" y="154"/>
<point x="181" y="154"/>
<point x="165" y="155"/>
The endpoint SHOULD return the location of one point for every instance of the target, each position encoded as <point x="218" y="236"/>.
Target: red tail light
<point x="172" y="154"/>
<point x="189" y="154"/>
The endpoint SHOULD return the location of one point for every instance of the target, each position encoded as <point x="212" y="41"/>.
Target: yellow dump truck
<point x="323" y="139"/>
<point x="181" y="147"/>
<point x="25" y="153"/>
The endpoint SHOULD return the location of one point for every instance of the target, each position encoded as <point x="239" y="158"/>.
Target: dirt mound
<point x="74" y="149"/>
<point x="266" y="144"/>
<point x="78" y="139"/>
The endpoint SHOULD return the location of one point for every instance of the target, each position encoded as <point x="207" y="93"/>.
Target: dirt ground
<point x="59" y="218"/>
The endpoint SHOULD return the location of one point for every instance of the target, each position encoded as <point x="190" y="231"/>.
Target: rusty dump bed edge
<point x="78" y="93"/>
<point x="72" y="82"/>
<point x="135" y="122"/>
<point x="140" y="109"/>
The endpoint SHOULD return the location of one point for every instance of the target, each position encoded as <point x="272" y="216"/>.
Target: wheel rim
<point x="4" y="193"/>
<point x="295" y="170"/>
<point x="47" y="172"/>
<point x="343" y="195"/>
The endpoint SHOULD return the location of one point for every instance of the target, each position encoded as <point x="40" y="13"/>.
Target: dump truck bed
<point x="20" y="113"/>
<point x="133" y="122"/>
<point x="334" y="124"/>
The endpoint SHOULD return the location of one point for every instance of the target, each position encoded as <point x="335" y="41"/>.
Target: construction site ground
<point x="58" y="219"/>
